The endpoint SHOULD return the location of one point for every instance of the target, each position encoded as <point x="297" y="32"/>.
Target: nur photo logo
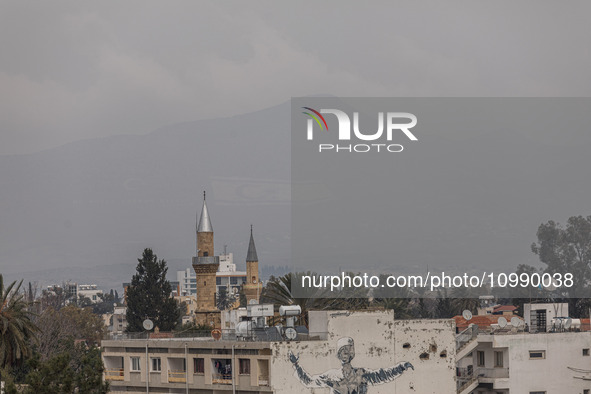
<point x="390" y="125"/>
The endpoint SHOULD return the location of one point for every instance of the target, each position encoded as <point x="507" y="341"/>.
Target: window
<point x="218" y="281"/>
<point x="233" y="280"/>
<point x="586" y="391"/>
<point x="135" y="364"/>
<point x="480" y="358"/>
<point x="537" y="392"/>
<point x="498" y="359"/>
<point x="537" y="355"/>
<point x="585" y="352"/>
<point x="199" y="365"/>
<point x="244" y="366"/>
<point x="156" y="364"/>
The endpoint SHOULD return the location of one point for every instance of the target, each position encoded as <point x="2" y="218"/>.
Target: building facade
<point x="366" y="351"/>
<point x="503" y="358"/>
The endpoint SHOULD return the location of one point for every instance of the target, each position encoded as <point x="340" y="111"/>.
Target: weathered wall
<point x="379" y="341"/>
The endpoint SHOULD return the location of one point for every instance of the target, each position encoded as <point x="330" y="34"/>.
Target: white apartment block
<point x="548" y="363"/>
<point x="543" y="357"/>
<point x="92" y="292"/>
<point x="74" y="291"/>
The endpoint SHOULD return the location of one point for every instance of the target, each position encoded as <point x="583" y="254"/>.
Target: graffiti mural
<point x="348" y="379"/>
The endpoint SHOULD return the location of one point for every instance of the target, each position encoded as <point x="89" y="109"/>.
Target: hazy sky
<point x="73" y="70"/>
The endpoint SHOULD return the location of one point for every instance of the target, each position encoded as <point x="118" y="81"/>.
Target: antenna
<point x="502" y="322"/>
<point x="467" y="315"/>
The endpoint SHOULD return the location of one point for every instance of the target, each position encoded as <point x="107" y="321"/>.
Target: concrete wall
<point x="551" y="374"/>
<point x="379" y="343"/>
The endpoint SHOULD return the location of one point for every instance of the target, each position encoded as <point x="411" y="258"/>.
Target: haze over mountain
<point x="99" y="203"/>
<point x="88" y="209"/>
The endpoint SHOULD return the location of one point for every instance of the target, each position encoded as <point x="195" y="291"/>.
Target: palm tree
<point x="464" y="299"/>
<point x="17" y="331"/>
<point x="279" y="291"/>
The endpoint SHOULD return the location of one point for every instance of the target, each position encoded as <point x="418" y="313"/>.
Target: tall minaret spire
<point x="251" y="255"/>
<point x="253" y="286"/>
<point x="204" y="224"/>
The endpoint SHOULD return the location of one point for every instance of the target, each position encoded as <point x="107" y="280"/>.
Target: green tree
<point x="445" y="308"/>
<point x="464" y="299"/>
<point x="397" y="298"/>
<point x="105" y="305"/>
<point x="17" y="330"/>
<point x="225" y="300"/>
<point x="149" y="295"/>
<point x="78" y="370"/>
<point x="567" y="249"/>
<point x="88" y="371"/>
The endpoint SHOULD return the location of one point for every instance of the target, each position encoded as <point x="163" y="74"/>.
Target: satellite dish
<point x="148" y="324"/>
<point x="253" y="302"/>
<point x="515" y="321"/>
<point x="502" y="322"/>
<point x="291" y="333"/>
<point x="467" y="315"/>
<point x="568" y="323"/>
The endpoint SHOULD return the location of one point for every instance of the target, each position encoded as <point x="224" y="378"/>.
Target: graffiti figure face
<point x="346" y="354"/>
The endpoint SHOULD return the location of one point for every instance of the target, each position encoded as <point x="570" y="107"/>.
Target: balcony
<point x="468" y="380"/>
<point x="221" y="378"/>
<point x="114" y="374"/>
<point x="177" y="376"/>
<point x="493" y="373"/>
<point x="263" y="380"/>
<point x="201" y="260"/>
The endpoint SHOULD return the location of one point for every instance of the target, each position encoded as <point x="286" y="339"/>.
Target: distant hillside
<point x="85" y="211"/>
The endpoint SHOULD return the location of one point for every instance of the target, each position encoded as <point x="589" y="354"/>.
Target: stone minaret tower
<point x="253" y="286"/>
<point x="205" y="263"/>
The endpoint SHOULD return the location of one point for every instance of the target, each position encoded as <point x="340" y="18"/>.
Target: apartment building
<point x="366" y="351"/>
<point x="503" y="357"/>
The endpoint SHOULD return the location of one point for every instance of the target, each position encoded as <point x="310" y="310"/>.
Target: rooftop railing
<point x="268" y="335"/>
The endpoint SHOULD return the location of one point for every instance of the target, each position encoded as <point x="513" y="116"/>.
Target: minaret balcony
<point x="206" y="260"/>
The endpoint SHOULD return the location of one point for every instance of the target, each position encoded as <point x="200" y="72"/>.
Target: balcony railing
<point x="221" y="378"/>
<point x="466" y="376"/>
<point x="114" y="374"/>
<point x="177" y="376"/>
<point x="263" y="380"/>
<point x="269" y="335"/>
<point x="492" y="373"/>
<point x="466" y="336"/>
